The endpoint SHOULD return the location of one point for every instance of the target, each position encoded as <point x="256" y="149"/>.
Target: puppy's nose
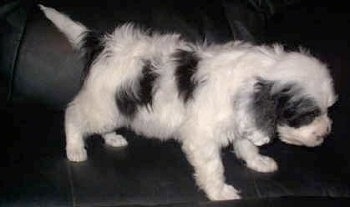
<point x="328" y="130"/>
<point x="319" y="138"/>
<point x="324" y="134"/>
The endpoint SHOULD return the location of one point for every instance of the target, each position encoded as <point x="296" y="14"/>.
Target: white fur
<point x="217" y="115"/>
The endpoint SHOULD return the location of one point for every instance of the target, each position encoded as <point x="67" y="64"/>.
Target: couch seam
<point x="13" y="66"/>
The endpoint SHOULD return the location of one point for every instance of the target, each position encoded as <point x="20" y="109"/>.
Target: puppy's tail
<point x="74" y="31"/>
<point x="88" y="43"/>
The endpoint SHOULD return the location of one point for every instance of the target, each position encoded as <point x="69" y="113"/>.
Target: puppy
<point x="206" y="97"/>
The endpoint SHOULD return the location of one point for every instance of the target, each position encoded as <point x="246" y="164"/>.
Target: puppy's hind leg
<point x="114" y="140"/>
<point x="74" y="137"/>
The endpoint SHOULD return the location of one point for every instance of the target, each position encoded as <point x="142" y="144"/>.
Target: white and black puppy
<point x="206" y="97"/>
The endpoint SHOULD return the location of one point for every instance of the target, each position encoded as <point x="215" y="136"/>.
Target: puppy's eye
<point x="286" y="90"/>
<point x="303" y="119"/>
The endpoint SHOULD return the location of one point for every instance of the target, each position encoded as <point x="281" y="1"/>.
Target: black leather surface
<point x="46" y="72"/>
<point x="33" y="169"/>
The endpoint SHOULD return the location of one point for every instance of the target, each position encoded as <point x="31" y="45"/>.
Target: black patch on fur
<point x="264" y="107"/>
<point x="129" y="100"/>
<point x="147" y="84"/>
<point x="293" y="108"/>
<point x="187" y="62"/>
<point x="285" y="107"/>
<point x="126" y="102"/>
<point x="295" y="112"/>
<point x="92" y="46"/>
<point x="303" y="119"/>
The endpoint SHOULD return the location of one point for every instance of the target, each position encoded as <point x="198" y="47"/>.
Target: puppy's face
<point x="302" y="106"/>
<point x="302" y="122"/>
<point x="297" y="118"/>
<point x="309" y="135"/>
<point x="298" y="98"/>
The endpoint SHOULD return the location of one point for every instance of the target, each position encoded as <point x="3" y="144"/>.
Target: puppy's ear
<point x="293" y="108"/>
<point x="264" y="107"/>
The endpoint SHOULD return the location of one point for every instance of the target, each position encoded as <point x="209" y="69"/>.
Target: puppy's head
<point x="298" y="94"/>
<point x="300" y="119"/>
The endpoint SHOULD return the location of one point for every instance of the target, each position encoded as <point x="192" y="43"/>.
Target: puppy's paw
<point x="227" y="192"/>
<point x="115" y="140"/>
<point x="262" y="164"/>
<point x="76" y="154"/>
<point x="230" y="193"/>
<point x="259" y="140"/>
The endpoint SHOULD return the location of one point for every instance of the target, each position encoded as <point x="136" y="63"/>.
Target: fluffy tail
<point x="89" y="43"/>
<point x="74" y="31"/>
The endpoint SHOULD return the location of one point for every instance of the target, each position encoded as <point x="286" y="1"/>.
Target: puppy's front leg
<point x="248" y="152"/>
<point x="258" y="138"/>
<point x="209" y="171"/>
<point x="250" y="122"/>
<point x="246" y="128"/>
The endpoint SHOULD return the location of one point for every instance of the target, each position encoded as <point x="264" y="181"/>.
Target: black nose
<point x="328" y="130"/>
<point x="319" y="138"/>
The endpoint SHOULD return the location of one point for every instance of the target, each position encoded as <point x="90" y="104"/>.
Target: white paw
<point x="259" y="140"/>
<point x="262" y="164"/>
<point x="76" y="154"/>
<point x="115" y="140"/>
<point x="227" y="192"/>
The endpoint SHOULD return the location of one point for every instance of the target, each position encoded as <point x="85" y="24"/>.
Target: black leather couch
<point x="39" y="74"/>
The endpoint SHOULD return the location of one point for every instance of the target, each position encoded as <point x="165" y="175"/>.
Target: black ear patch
<point x="303" y="119"/>
<point x="286" y="106"/>
<point x="296" y="112"/>
<point x="264" y="107"/>
<point x="293" y="108"/>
